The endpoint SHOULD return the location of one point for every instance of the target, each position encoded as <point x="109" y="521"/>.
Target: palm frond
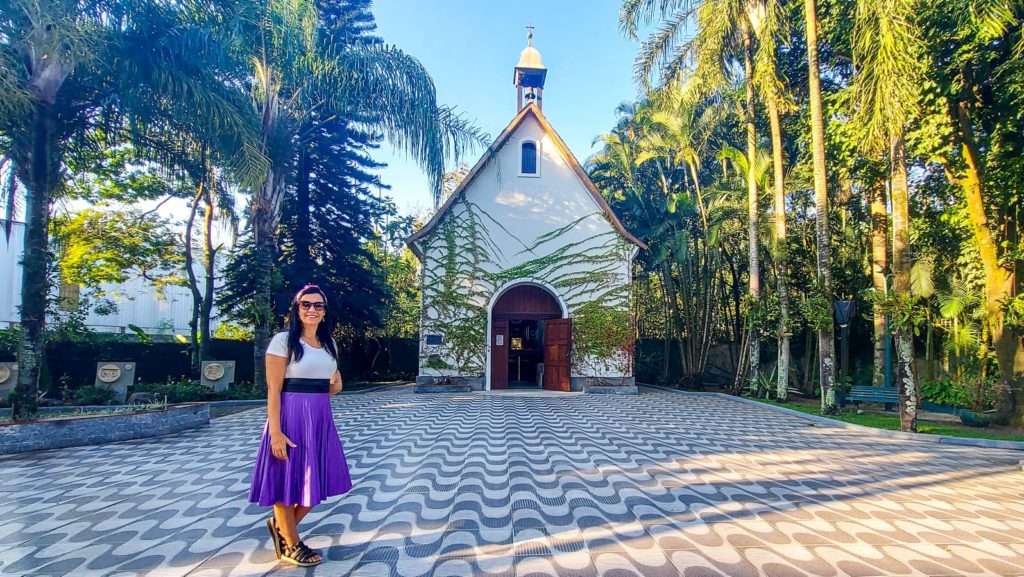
<point x="887" y="55"/>
<point x="663" y="47"/>
<point x="921" y="282"/>
<point x="634" y="14"/>
<point x="394" y="90"/>
<point x="994" y="18"/>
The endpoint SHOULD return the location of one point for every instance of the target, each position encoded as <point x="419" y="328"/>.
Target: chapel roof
<point x="533" y="110"/>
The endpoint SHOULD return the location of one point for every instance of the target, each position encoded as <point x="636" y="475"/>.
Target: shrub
<point x="245" y="391"/>
<point x="968" y="392"/>
<point x="93" y="395"/>
<point x="180" y="391"/>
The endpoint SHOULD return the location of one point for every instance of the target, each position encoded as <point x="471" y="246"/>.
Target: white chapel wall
<point x="524" y="220"/>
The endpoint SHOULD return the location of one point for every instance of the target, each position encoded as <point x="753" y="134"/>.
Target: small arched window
<point x="529" y="158"/>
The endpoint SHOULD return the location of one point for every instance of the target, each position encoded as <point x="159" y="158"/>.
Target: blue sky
<point x="470" y="48"/>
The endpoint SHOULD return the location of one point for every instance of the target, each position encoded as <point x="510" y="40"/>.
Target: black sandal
<point x="301" y="555"/>
<point x="275" y="536"/>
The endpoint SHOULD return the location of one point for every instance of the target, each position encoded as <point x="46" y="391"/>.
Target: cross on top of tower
<point x="529" y="35"/>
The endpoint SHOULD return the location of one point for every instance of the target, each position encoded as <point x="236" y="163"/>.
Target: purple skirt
<point x="316" y="467"/>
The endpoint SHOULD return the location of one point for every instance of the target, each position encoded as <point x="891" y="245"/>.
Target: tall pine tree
<point x="333" y="202"/>
<point x="336" y="201"/>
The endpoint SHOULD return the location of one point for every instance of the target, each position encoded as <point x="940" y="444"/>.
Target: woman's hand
<point x="336" y="383"/>
<point x="279" y="445"/>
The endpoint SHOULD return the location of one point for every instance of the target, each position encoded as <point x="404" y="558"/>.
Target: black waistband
<point x="306" y="386"/>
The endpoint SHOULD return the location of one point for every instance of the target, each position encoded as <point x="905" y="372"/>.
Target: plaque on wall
<point x="218" y="374"/>
<point x="117" y="376"/>
<point x="8" y="378"/>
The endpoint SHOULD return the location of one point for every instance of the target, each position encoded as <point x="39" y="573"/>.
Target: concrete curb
<point x="922" y="437"/>
<point x="99" y="430"/>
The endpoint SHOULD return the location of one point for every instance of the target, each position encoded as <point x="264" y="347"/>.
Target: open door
<point x="557" y="340"/>
<point x="499" y="354"/>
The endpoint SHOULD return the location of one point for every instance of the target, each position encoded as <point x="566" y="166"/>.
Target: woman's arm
<point x="336" y="384"/>
<point x="275" y="380"/>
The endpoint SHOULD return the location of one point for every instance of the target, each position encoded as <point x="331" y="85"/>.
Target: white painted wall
<point x="138" y="302"/>
<point x="524" y="209"/>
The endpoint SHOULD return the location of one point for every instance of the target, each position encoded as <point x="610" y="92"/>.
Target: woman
<point x="300" y="461"/>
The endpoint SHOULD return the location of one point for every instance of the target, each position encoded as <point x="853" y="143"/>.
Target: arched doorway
<point x="530" y="340"/>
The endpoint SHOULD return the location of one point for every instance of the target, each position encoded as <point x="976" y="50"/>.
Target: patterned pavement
<point x="529" y="483"/>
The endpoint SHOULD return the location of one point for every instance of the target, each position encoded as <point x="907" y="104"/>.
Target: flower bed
<point x="85" y="429"/>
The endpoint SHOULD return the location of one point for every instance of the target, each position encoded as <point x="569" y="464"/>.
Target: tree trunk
<point x="901" y="275"/>
<point x="879" y="263"/>
<point x="673" y="303"/>
<point x="265" y="215"/>
<point x="41" y="185"/>
<point x="755" y="257"/>
<point x="209" y="266"/>
<point x="781" y="250"/>
<point x="666" y="332"/>
<point x="807" y="386"/>
<point x="826" y="345"/>
<point x="193" y="283"/>
<point x="303" y="256"/>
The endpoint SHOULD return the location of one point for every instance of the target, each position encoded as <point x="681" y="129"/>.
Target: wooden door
<point x="557" y="340"/>
<point x="499" y="354"/>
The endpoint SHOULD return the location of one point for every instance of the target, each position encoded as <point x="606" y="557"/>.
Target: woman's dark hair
<point x="323" y="330"/>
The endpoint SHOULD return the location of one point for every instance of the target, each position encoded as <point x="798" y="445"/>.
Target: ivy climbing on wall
<point x="465" y="266"/>
<point x="456" y="289"/>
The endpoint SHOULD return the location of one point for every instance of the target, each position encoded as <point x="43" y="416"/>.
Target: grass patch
<point x="80" y="412"/>
<point x="892" y="423"/>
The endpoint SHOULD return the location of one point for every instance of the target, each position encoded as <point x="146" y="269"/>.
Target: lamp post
<point x="844" y="312"/>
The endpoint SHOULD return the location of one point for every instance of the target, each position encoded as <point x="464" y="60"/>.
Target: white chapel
<point x="526" y="270"/>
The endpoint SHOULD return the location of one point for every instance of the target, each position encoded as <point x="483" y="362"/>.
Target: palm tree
<point x="879" y="282"/>
<point x="650" y="168"/>
<point x="67" y="67"/>
<point x="887" y="56"/>
<point x="725" y="35"/>
<point x="671" y="143"/>
<point x="293" y="76"/>
<point x="826" y="345"/>
<point x="768" y="24"/>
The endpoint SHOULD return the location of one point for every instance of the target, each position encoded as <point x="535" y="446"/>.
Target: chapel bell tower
<point x="530" y="74"/>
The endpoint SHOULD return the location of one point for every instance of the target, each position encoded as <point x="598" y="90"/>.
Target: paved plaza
<point x="531" y="483"/>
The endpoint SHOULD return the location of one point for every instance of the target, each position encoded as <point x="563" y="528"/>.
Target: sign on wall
<point x="8" y="378"/>
<point x="218" y="374"/>
<point x="117" y="376"/>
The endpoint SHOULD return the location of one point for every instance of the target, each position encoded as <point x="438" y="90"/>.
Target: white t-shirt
<point x="315" y="363"/>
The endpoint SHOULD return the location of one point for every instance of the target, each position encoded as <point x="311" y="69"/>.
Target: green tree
<point x="293" y="76"/>
<point x="67" y="66"/>
<point x="725" y="36"/>
<point x="888" y="53"/>
<point x="974" y="63"/>
<point x="96" y="247"/>
<point x="826" y="346"/>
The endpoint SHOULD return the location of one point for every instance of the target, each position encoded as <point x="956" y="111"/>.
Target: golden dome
<point x="530" y="58"/>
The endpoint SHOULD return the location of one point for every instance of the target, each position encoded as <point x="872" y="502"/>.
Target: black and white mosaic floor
<point x="531" y="483"/>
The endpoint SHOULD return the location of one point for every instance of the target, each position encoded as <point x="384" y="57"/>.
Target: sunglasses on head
<point x="306" y="305"/>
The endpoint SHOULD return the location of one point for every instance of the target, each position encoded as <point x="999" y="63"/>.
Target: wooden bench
<point x="887" y="396"/>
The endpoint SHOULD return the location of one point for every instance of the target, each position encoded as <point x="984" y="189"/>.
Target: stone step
<point x="424" y="388"/>
<point x="609" y="389"/>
